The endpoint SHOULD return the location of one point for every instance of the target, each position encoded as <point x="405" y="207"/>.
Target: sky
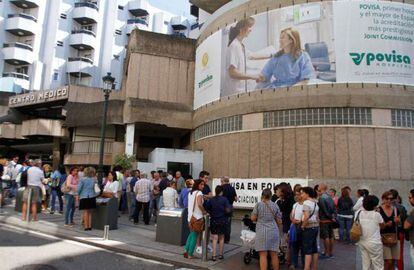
<point x="179" y="7"/>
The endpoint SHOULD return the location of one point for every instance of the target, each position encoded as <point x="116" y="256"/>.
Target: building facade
<point x="339" y="132"/>
<point x="49" y="44"/>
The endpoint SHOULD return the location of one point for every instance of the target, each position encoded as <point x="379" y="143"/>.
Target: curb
<point x="174" y="263"/>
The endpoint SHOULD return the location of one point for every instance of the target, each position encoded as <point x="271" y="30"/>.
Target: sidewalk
<point x="139" y="240"/>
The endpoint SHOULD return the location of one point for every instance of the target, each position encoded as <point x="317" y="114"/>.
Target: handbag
<point x="196" y="225"/>
<point x="97" y="189"/>
<point x="64" y="188"/>
<point x="356" y="231"/>
<point x="390" y="239"/>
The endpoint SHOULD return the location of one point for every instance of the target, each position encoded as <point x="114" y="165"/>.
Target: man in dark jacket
<point x="230" y="193"/>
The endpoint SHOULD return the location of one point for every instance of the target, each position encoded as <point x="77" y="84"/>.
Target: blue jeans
<point x="70" y="208"/>
<point x="56" y="193"/>
<point x="345" y="225"/>
<point x="132" y="205"/>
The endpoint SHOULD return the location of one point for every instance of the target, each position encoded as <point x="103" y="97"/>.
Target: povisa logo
<point x="369" y="57"/>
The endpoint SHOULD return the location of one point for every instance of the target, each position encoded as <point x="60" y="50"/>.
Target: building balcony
<point x="14" y="82"/>
<point x="208" y="5"/>
<point x="83" y="39"/>
<point x="21" y="24"/>
<point x="87" y="152"/>
<point x="11" y="131"/>
<point x="179" y="23"/>
<point x="86" y="13"/>
<point x="138" y="8"/>
<point x="18" y="53"/>
<point x="25" y="4"/>
<point x="79" y="66"/>
<point x="136" y="23"/>
<point x="44" y="127"/>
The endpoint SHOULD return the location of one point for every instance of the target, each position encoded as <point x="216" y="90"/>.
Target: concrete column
<point x="129" y="139"/>
<point x="56" y="153"/>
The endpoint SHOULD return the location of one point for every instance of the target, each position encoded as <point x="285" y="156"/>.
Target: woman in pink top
<point x="72" y="183"/>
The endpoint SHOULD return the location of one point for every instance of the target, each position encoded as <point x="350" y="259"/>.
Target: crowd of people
<point x="299" y="221"/>
<point x="302" y="220"/>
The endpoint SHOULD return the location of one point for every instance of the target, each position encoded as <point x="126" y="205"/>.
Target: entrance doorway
<point x="184" y="168"/>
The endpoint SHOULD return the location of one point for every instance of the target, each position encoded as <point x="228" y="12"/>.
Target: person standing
<point x="112" y="186"/>
<point x="370" y="244"/>
<point x="361" y="193"/>
<point x="71" y="183"/>
<point x="401" y="234"/>
<point x="230" y="193"/>
<point x="345" y="215"/>
<point x="131" y="194"/>
<point x="183" y="198"/>
<point x="143" y="189"/>
<point x="218" y="207"/>
<point x="57" y="178"/>
<point x="180" y="181"/>
<point x="170" y="195"/>
<point x="47" y="170"/>
<point x="196" y="209"/>
<point x="204" y="176"/>
<point x="86" y="192"/>
<point x="35" y="177"/>
<point x="310" y="227"/>
<point x="14" y="168"/>
<point x="409" y="225"/>
<point x="295" y="232"/>
<point x="391" y="218"/>
<point x="326" y="219"/>
<point x="267" y="215"/>
<point x="155" y="198"/>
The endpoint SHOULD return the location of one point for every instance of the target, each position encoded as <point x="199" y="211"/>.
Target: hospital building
<point x="340" y="111"/>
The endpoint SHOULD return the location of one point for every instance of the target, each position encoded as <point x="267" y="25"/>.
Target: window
<point x="116" y="56"/>
<point x="87" y="27"/>
<point x="318" y="116"/>
<point x="63" y="16"/>
<point x="402" y="118"/>
<point x="120" y="7"/>
<point x="59" y="43"/>
<point x="223" y="125"/>
<point x="118" y="32"/>
<point x="55" y="74"/>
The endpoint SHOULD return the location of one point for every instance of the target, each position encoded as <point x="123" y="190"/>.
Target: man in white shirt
<point x="35" y="177"/>
<point x="14" y="169"/>
<point x="170" y="195"/>
<point x="143" y="190"/>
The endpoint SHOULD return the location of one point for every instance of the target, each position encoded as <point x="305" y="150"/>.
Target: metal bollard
<point x="106" y="232"/>
<point x="206" y="238"/>
<point x="29" y="204"/>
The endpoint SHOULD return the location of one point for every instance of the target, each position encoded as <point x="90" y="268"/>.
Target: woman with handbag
<point x="195" y="218"/>
<point x="267" y="215"/>
<point x="369" y="243"/>
<point x="295" y="232"/>
<point x="87" y="195"/>
<point x="70" y="189"/>
<point x="389" y="235"/>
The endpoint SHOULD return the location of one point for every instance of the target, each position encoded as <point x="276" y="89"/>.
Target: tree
<point x="125" y="161"/>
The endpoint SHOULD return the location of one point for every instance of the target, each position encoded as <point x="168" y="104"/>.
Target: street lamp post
<point x="108" y="85"/>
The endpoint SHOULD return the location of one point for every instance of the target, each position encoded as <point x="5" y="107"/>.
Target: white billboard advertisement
<point x="249" y="191"/>
<point x="314" y="43"/>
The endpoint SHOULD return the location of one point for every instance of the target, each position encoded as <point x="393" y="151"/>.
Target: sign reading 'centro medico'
<point x="312" y="43"/>
<point x="38" y="97"/>
<point x="249" y="191"/>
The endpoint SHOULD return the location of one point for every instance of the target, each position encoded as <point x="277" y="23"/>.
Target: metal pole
<point x="106" y="232"/>
<point x="206" y="236"/>
<point x="102" y="144"/>
<point x="29" y="204"/>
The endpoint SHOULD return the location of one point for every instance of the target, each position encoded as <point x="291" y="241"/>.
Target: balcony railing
<point x="137" y="20"/>
<point x="18" y="45"/>
<point x="22" y="15"/>
<point x="89" y="5"/>
<point x="82" y="59"/>
<point x="88" y="147"/>
<point x="84" y="31"/>
<point x="16" y="75"/>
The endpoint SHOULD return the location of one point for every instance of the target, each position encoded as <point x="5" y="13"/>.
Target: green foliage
<point x="125" y="161"/>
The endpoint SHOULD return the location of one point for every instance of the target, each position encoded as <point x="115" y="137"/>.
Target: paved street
<point x="23" y="250"/>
